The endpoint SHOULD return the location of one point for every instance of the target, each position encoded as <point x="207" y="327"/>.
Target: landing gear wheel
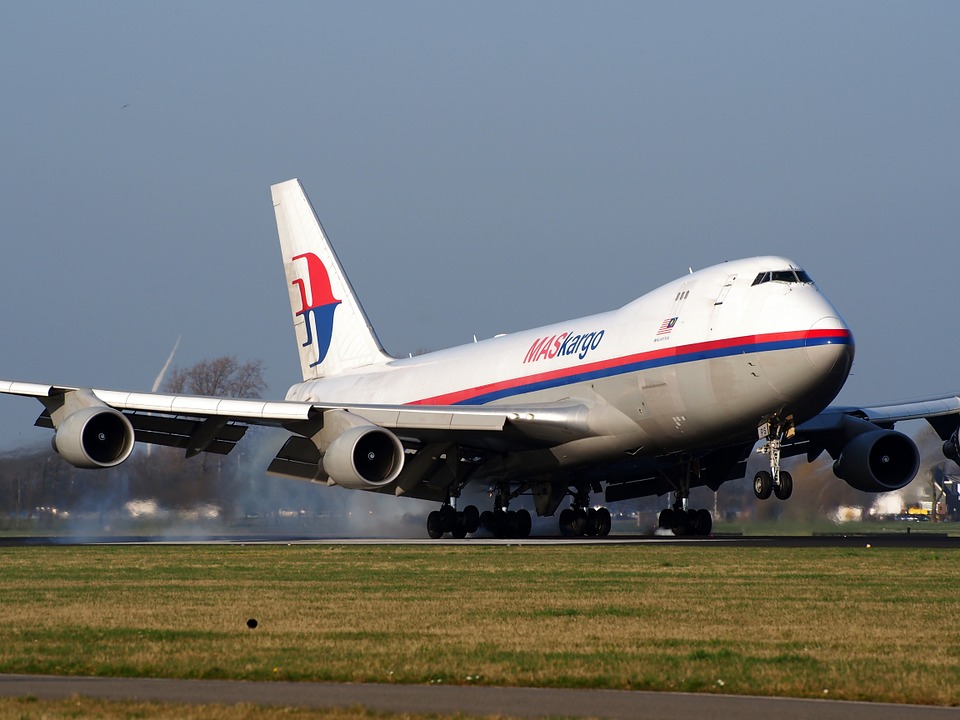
<point x="448" y="517"/>
<point x="762" y="485"/>
<point x="665" y="521"/>
<point x="604" y="522"/>
<point x="784" y="489"/>
<point x="704" y="522"/>
<point x="579" y="524"/>
<point x="590" y="527"/>
<point x="500" y="524"/>
<point x="486" y="520"/>
<point x="459" y="529"/>
<point x="434" y="525"/>
<point x="510" y="527"/>
<point x="566" y="521"/>
<point x="471" y="516"/>
<point x="524" y="523"/>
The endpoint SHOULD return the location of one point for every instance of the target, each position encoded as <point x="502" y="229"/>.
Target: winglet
<point x="333" y="332"/>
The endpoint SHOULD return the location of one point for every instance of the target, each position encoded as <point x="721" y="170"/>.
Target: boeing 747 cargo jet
<point x="667" y="393"/>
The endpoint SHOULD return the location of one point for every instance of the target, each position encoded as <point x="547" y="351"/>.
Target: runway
<point x="876" y="540"/>
<point x="449" y="700"/>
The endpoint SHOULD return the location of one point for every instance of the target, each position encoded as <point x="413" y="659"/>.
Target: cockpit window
<point x="787" y="276"/>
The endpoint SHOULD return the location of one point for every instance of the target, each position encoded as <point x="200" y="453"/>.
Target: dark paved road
<point x="448" y="700"/>
<point x="901" y="540"/>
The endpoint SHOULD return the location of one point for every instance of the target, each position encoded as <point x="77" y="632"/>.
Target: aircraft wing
<point x="940" y="412"/>
<point x="834" y="428"/>
<point x="885" y="415"/>
<point x="214" y="424"/>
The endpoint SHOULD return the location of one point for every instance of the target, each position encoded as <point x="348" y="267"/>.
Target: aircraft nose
<point x="829" y="347"/>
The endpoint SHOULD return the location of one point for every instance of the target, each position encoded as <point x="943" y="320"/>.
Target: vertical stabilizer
<point x="332" y="330"/>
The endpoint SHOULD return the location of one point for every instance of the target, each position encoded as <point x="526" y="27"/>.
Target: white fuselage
<point x="701" y="360"/>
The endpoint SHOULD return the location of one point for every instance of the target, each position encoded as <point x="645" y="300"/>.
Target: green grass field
<point x="865" y="624"/>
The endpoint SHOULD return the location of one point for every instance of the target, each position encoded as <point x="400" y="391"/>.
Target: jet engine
<point x="878" y="461"/>
<point x="951" y="448"/>
<point x="96" y="436"/>
<point x="363" y="457"/>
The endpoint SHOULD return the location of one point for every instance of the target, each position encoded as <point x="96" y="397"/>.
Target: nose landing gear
<point x="776" y="482"/>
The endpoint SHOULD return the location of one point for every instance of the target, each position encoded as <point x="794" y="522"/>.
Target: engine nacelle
<point x="878" y="461"/>
<point x="951" y="448"/>
<point x="94" y="437"/>
<point x="363" y="457"/>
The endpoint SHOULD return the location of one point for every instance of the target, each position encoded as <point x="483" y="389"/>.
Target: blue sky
<point x="480" y="167"/>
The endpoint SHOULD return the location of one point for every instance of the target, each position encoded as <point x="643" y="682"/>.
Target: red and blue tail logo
<point x="318" y="311"/>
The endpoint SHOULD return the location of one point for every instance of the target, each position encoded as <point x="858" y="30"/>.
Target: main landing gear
<point x="502" y="522"/>
<point x="686" y="522"/>
<point x="505" y="523"/>
<point x="579" y="520"/>
<point x="775" y="482"/>
<point x="458" y="523"/>
<point x="678" y="518"/>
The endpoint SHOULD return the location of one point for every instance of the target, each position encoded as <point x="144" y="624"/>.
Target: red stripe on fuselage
<point x="745" y="341"/>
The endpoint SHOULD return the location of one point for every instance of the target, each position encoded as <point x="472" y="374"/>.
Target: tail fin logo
<point x="318" y="310"/>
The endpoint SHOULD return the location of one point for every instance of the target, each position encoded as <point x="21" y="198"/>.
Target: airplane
<point x="669" y="392"/>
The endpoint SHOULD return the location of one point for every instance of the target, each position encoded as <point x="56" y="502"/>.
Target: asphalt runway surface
<point x="449" y="700"/>
<point x="898" y="540"/>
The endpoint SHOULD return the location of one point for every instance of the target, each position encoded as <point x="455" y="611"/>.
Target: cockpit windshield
<point x="785" y="276"/>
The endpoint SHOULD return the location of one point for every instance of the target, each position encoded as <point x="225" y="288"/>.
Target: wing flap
<point x="298" y="458"/>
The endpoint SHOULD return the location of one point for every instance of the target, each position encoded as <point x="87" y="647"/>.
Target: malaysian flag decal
<point x="667" y="326"/>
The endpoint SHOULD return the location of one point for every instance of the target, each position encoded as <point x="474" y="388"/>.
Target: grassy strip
<point x="864" y="624"/>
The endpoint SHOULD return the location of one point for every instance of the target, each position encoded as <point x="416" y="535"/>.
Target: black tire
<point x="784" y="488"/>
<point x="472" y="517"/>
<point x="762" y="485"/>
<point x="590" y="526"/>
<point x="448" y="518"/>
<point x="486" y="520"/>
<point x="604" y="522"/>
<point x="511" y="524"/>
<point x="667" y="519"/>
<point x="499" y="524"/>
<point x="566" y="521"/>
<point x="434" y="525"/>
<point x="524" y="523"/>
<point x="579" y="524"/>
<point x="704" y="522"/>
<point x="459" y="527"/>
